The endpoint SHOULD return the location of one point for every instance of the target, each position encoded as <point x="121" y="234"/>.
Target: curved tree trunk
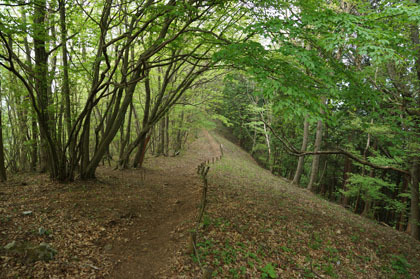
<point x="299" y="169"/>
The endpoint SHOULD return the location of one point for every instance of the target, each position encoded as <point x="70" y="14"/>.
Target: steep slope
<point x="259" y="226"/>
<point x="136" y="223"/>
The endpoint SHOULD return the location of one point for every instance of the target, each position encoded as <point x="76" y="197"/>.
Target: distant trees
<point x="358" y="57"/>
<point x="77" y="83"/>
<point x="79" y="86"/>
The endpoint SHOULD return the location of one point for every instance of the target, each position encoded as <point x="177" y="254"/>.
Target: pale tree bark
<point x="179" y="134"/>
<point x="3" y="176"/>
<point x="268" y="143"/>
<point x="315" y="159"/>
<point x="317" y="147"/>
<point x="299" y="169"/>
<point x="161" y="146"/>
<point x="167" y="135"/>
<point x="34" y="126"/>
<point x="401" y="220"/>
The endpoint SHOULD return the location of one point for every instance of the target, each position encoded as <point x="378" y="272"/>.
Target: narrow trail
<point x="162" y="213"/>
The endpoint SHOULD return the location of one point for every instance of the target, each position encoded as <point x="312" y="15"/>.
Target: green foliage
<point x="268" y="271"/>
<point x="372" y="189"/>
<point x="400" y="265"/>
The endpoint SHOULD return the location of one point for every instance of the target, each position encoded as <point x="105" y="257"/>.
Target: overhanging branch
<point x="293" y="151"/>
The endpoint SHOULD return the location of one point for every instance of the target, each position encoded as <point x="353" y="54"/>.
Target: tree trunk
<point x="49" y="158"/>
<point x="161" y="144"/>
<point x="369" y="202"/>
<point x="401" y="222"/>
<point x="3" y="176"/>
<point x="179" y="135"/>
<point x="315" y="160"/>
<point x="34" y="126"/>
<point x="346" y="176"/>
<point x="317" y="147"/>
<point x="66" y="82"/>
<point x="166" y="135"/>
<point x="123" y="161"/>
<point x="415" y="169"/>
<point x="139" y="158"/>
<point x="299" y="169"/>
<point x="414" y="208"/>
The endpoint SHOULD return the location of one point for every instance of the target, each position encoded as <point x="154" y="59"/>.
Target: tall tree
<point x="299" y="169"/>
<point x="3" y="176"/>
<point x="317" y="148"/>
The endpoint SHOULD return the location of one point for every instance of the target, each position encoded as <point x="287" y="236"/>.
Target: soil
<point x="136" y="224"/>
<point x="126" y="224"/>
<point x="163" y="230"/>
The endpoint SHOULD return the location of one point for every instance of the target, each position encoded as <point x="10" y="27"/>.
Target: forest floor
<point x="136" y="224"/>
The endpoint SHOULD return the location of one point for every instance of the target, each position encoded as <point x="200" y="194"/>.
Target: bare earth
<point x="127" y="224"/>
<point x="136" y="224"/>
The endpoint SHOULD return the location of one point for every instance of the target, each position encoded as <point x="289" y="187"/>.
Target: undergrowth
<point x="259" y="226"/>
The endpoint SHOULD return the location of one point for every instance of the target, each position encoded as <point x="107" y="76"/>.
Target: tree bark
<point x="401" y="221"/>
<point x="3" y="176"/>
<point x="166" y="135"/>
<point x="415" y="169"/>
<point x="346" y="176"/>
<point x="139" y="158"/>
<point x="66" y="81"/>
<point x="34" y="126"/>
<point x="299" y="169"/>
<point x="179" y="135"/>
<point x="414" y="208"/>
<point x="48" y="152"/>
<point x="317" y="147"/>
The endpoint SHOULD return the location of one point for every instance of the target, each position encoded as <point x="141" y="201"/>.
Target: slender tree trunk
<point x="415" y="169"/>
<point x="317" y="147"/>
<point x="414" y="208"/>
<point x="401" y="222"/>
<point x="34" y="126"/>
<point x="123" y="161"/>
<point x="268" y="143"/>
<point x="346" y="175"/>
<point x="66" y="81"/>
<point x="315" y="160"/>
<point x="179" y="135"/>
<point x="299" y="169"/>
<point x="139" y="158"/>
<point x="369" y="202"/>
<point x="167" y="135"/>
<point x="3" y="176"/>
<point x="34" y="144"/>
<point x="161" y="145"/>
<point x="48" y="154"/>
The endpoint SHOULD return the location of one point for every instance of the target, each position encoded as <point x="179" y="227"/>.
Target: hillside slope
<point x="259" y="226"/>
<point x="136" y="223"/>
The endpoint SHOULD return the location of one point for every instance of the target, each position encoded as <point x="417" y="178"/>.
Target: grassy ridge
<point x="259" y="226"/>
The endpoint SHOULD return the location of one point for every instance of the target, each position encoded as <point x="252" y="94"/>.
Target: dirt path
<point x="162" y="214"/>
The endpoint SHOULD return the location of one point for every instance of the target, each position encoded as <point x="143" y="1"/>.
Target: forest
<point x="324" y="94"/>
